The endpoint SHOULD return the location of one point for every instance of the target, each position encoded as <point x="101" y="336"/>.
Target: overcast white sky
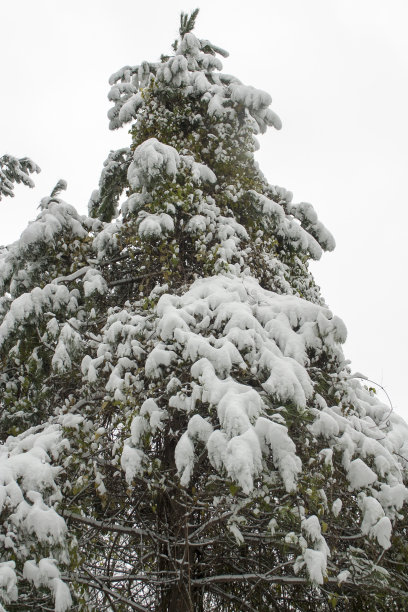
<point x="337" y="71"/>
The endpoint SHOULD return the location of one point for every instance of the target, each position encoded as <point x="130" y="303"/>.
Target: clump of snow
<point x="199" y="172"/>
<point x="131" y="462"/>
<point x="314" y="559"/>
<point x="243" y="459"/>
<point x="69" y="345"/>
<point x="217" y="448"/>
<point x="337" y="506"/>
<point x="375" y="523"/>
<point x="155" y="225"/>
<point x="158" y="359"/>
<point x="324" y="425"/>
<point x="275" y="436"/>
<point x="46" y="574"/>
<point x="315" y="562"/>
<point x="199" y="428"/>
<point x="152" y="161"/>
<point x="55" y="218"/>
<point x="309" y="221"/>
<point x="360" y="475"/>
<point x="8" y="581"/>
<point x="184" y="457"/>
<point x="94" y="283"/>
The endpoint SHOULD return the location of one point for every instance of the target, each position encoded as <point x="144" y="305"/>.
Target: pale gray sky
<point x="337" y="71"/>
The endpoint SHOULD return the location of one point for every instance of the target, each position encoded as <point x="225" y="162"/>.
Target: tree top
<point x="187" y="22"/>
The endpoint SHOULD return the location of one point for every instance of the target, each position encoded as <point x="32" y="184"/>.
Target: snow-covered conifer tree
<point x="180" y="428"/>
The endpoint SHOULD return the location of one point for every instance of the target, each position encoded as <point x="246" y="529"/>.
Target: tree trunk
<point x="176" y="599"/>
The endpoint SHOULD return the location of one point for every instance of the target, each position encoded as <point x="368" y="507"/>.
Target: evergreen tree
<point x="180" y="428"/>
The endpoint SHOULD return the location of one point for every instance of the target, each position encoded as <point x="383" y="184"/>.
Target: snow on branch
<point x="14" y="170"/>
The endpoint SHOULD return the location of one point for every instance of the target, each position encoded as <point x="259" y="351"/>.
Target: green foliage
<point x="13" y="170"/>
<point x="76" y="355"/>
<point x="111" y="186"/>
<point x="187" y="22"/>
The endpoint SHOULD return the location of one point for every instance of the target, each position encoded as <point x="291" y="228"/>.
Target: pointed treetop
<point x="45" y="202"/>
<point x="187" y="22"/>
<point x="60" y="186"/>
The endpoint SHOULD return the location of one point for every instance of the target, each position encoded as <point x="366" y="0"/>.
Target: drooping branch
<point x="14" y="170"/>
